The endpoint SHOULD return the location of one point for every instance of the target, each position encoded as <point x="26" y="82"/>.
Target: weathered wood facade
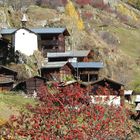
<point x="34" y="83"/>
<point x="87" y="71"/>
<point x="107" y="87"/>
<point x="57" y="71"/>
<point x="31" y="85"/>
<point x="112" y="87"/>
<point x="52" y="43"/>
<point x="88" y="75"/>
<point x="7" y="78"/>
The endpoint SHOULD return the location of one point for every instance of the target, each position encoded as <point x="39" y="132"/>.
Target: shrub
<point x="83" y="2"/>
<point x="68" y="115"/>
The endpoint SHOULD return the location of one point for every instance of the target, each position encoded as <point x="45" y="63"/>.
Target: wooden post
<point x="88" y="77"/>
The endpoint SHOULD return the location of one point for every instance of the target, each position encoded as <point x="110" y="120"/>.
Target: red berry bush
<point x="67" y="114"/>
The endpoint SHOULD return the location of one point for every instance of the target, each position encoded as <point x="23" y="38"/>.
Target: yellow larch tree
<point x="71" y="11"/>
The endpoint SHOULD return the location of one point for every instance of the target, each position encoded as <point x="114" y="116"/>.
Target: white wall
<point x="110" y="100"/>
<point x="25" y="41"/>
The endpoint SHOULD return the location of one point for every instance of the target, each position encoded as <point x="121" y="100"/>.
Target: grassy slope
<point x="130" y="45"/>
<point x="129" y="40"/>
<point x="12" y="104"/>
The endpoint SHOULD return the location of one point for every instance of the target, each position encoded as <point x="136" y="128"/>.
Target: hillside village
<point x="58" y="62"/>
<point x="59" y="65"/>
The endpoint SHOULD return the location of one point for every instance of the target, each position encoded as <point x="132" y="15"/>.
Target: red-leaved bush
<point x="83" y="2"/>
<point x="67" y="114"/>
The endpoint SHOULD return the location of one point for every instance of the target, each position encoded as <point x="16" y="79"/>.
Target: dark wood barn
<point x="7" y="78"/>
<point x="107" y="87"/>
<point x="112" y="87"/>
<point x="31" y="85"/>
<point x="87" y="71"/>
<point x="57" y="71"/>
<point x="51" y="39"/>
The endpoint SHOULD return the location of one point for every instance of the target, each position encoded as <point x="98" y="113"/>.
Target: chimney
<point x="24" y="20"/>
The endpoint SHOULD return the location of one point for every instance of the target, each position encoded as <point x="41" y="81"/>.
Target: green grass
<point x="15" y="100"/>
<point x="130" y="45"/>
<point x="12" y="104"/>
<point x="129" y="40"/>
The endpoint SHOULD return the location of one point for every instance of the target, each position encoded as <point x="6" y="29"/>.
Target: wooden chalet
<point x="113" y="87"/>
<point x="7" y="78"/>
<point x="57" y="71"/>
<point x="87" y="71"/>
<point x="108" y="87"/>
<point x="31" y="85"/>
<point x="79" y="55"/>
<point x="49" y="39"/>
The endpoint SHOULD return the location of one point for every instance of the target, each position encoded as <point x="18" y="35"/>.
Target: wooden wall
<point x="6" y="86"/>
<point x="57" y="73"/>
<point x="52" y="43"/>
<point x="33" y="84"/>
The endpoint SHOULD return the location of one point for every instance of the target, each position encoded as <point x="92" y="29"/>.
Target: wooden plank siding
<point x="55" y="43"/>
<point x="88" y="75"/>
<point x="6" y="86"/>
<point x="107" y="87"/>
<point x="57" y="74"/>
<point x="34" y="83"/>
<point x="7" y="78"/>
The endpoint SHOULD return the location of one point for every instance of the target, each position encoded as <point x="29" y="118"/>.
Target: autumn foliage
<point x="74" y="14"/>
<point x="67" y="114"/>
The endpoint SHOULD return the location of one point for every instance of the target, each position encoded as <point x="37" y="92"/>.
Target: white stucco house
<point x="25" y="41"/>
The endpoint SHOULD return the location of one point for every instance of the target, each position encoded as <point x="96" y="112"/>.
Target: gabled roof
<point x="68" y="83"/>
<point x="90" y="65"/>
<point x="38" y="77"/>
<point x="51" y="31"/>
<point x="38" y="31"/>
<point x="107" y="80"/>
<point x="24" y="29"/>
<point x="75" y="53"/>
<point x="55" y="64"/>
<point x="4" y="80"/>
<point x="3" y="67"/>
<point x="7" y="31"/>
